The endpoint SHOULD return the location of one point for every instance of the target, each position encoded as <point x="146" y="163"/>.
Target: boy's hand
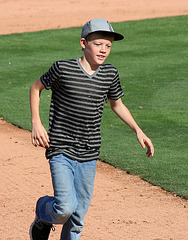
<point x="145" y="142"/>
<point x="39" y="136"/>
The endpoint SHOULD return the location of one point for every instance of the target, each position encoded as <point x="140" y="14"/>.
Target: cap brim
<point x="118" y="36"/>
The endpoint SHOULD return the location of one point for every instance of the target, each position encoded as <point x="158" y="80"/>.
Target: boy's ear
<point x="83" y="43"/>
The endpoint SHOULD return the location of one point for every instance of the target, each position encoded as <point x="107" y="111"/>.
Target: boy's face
<point x="97" y="48"/>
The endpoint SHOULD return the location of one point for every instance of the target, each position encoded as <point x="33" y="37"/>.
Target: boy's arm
<point x="123" y="113"/>
<point x="39" y="135"/>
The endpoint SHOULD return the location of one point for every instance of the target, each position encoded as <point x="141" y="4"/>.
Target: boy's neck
<point x="86" y="66"/>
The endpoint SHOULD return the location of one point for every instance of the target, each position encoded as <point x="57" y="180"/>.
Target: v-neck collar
<point x="84" y="71"/>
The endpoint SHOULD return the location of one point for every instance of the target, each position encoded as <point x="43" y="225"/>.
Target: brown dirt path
<point x="123" y="206"/>
<point x="25" y="15"/>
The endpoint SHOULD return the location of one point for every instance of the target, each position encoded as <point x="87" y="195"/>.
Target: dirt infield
<point x="24" y="15"/>
<point x="123" y="206"/>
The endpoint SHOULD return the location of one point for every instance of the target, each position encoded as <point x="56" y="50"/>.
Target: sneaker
<point x="40" y="230"/>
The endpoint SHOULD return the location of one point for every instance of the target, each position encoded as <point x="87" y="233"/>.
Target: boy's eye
<point x="98" y="44"/>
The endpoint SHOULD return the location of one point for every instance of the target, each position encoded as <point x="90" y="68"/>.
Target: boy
<point x="79" y="88"/>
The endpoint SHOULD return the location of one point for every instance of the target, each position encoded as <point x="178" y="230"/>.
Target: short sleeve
<point x="51" y="78"/>
<point x="115" y="92"/>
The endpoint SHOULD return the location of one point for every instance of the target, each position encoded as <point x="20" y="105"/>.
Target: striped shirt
<point x="77" y="106"/>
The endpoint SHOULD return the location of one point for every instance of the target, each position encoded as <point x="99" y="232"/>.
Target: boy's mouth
<point x="101" y="57"/>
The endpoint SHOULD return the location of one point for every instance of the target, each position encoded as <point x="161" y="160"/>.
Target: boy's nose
<point x="103" y="49"/>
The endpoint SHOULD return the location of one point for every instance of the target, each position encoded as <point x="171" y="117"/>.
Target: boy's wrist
<point x="137" y="130"/>
<point x="35" y="121"/>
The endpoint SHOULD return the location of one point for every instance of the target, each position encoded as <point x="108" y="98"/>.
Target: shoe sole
<point x="31" y="227"/>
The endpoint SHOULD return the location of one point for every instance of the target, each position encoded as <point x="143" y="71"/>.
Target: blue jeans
<point x="73" y="188"/>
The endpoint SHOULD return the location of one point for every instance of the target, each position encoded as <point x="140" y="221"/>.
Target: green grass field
<point x="152" y="62"/>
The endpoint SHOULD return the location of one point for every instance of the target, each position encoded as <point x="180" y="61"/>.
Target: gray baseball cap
<point x="99" y="25"/>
